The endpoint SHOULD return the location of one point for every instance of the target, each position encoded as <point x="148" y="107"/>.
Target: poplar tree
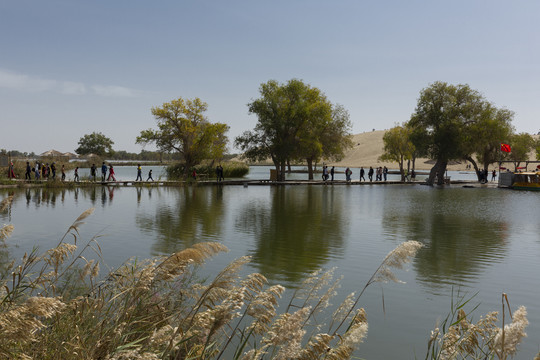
<point x="182" y="127"/>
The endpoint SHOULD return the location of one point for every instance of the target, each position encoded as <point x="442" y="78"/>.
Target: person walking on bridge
<point x="28" y="173"/>
<point x="111" y="173"/>
<point x="93" y="171"/>
<point x="103" y="171"/>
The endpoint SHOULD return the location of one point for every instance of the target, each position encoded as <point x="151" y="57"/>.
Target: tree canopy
<point x="398" y="146"/>
<point x="452" y="122"/>
<point x="295" y="121"/>
<point x="95" y="143"/>
<point x="484" y="136"/>
<point x="522" y="144"/>
<point x="183" y="128"/>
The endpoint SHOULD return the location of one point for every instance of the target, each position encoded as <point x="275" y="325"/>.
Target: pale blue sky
<point x="68" y="67"/>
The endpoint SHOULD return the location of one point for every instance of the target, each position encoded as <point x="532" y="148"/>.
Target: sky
<point x="70" y="67"/>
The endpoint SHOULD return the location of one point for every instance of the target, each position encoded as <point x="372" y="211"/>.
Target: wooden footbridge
<point x="235" y="182"/>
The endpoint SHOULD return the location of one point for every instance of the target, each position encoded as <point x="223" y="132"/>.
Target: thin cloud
<point x="72" y="88"/>
<point x="115" y="91"/>
<point x="29" y="83"/>
<point x="12" y="80"/>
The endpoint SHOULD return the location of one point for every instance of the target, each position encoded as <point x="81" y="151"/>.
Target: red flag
<point x="505" y="148"/>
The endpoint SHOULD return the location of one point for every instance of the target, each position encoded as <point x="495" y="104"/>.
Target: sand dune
<point x="368" y="146"/>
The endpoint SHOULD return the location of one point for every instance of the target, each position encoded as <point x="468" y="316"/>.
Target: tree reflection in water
<point x="296" y="231"/>
<point x="461" y="233"/>
<point x="195" y="215"/>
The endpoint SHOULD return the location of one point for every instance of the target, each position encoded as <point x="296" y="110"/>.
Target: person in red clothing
<point x="111" y="173"/>
<point x="11" y="171"/>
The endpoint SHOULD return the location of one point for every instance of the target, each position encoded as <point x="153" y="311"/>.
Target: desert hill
<point x="368" y="146"/>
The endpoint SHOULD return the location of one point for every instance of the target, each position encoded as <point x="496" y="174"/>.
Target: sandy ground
<point x="368" y="146"/>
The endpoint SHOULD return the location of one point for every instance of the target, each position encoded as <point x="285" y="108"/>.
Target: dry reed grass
<point x="460" y="338"/>
<point x="54" y="306"/>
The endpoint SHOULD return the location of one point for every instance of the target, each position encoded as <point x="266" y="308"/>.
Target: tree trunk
<point x="401" y="172"/>
<point x="309" y="161"/>
<point x="289" y="166"/>
<point x="281" y="174"/>
<point x="276" y="165"/>
<point x="470" y="159"/>
<point x="187" y="167"/>
<point x="438" y="171"/>
<point x="486" y="166"/>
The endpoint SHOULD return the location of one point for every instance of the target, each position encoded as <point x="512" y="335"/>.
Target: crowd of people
<point x="42" y="171"/>
<point x="380" y="173"/>
<point x="46" y="172"/>
<point x="484" y="174"/>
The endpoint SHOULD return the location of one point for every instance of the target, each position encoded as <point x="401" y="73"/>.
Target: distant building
<point x="52" y="153"/>
<point x="70" y="155"/>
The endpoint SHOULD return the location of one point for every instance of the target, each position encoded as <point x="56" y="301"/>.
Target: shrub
<point x="231" y="169"/>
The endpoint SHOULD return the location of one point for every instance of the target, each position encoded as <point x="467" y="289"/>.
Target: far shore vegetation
<point x="297" y="123"/>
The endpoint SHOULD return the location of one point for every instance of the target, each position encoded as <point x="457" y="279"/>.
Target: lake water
<point x="476" y="240"/>
<point x="127" y="173"/>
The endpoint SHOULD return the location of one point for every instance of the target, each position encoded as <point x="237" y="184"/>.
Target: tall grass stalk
<point x="458" y="337"/>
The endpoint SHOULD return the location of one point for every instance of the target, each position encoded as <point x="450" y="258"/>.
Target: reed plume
<point x="6" y="231"/>
<point x="480" y="340"/>
<point x="5" y="203"/>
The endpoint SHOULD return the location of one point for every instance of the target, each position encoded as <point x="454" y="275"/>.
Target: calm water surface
<point x="476" y="240"/>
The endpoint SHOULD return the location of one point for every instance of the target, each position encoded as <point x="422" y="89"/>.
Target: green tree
<point x="522" y="144"/>
<point x="418" y="137"/>
<point x="295" y="121"/>
<point x="398" y="146"/>
<point x="183" y="128"/>
<point x="444" y="113"/>
<point x="484" y="137"/>
<point x="337" y="138"/>
<point x="95" y="143"/>
<point x="325" y="135"/>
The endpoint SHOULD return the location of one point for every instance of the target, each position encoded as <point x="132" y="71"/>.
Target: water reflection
<point x="6" y="214"/>
<point x="461" y="236"/>
<point x="43" y="197"/>
<point x="194" y="215"/>
<point x="295" y="232"/>
<point x="49" y="197"/>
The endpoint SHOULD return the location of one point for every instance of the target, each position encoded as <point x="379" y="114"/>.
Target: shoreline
<point x="241" y="182"/>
